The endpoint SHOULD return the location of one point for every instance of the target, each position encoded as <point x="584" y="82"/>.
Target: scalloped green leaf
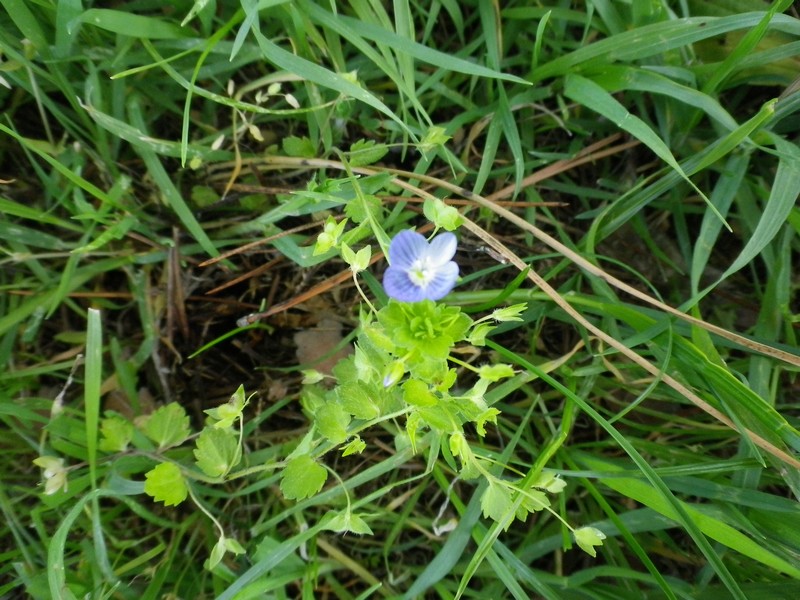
<point x="302" y="478"/>
<point x="165" y="483"/>
<point x="168" y="426"/>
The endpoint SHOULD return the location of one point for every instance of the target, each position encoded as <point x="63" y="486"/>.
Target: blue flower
<point x="420" y="270"/>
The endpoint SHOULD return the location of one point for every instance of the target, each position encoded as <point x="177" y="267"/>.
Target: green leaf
<point x="204" y="196"/>
<point x="710" y="523"/>
<point x="356" y="399"/>
<point x="116" y="432"/>
<point x="495" y="372"/>
<point x="427" y="327"/>
<point x="307" y="70"/>
<point x="223" y="416"/>
<point x="418" y="393"/>
<point x="366" y="152"/>
<point x="163" y="182"/>
<point x="442" y="215"/>
<point x="351" y="28"/>
<point x="165" y="483"/>
<point x="441" y="417"/>
<point x="197" y="7"/>
<point x="332" y="421"/>
<point x="299" y="146"/>
<point x="168" y="426"/>
<point x="496" y="503"/>
<point x="130" y="24"/>
<point x="302" y="478"/>
<point x="593" y="96"/>
<point x="217" y="452"/>
<point x="782" y="199"/>
<point x="368" y="206"/>
<point x="535" y="500"/>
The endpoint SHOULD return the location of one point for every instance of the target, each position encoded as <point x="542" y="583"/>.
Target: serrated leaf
<point x="217" y="452"/>
<point x="332" y="421"/>
<point x="366" y="152"/>
<point x="302" y="478"/>
<point x="168" y="426"/>
<point x="532" y="501"/>
<point x="116" y="433"/>
<point x="496" y="502"/>
<point x="535" y="500"/>
<point x="360" y="209"/>
<point x="417" y="393"/>
<point x="299" y="146"/>
<point x="165" y="483"/>
<point x="440" y="417"/>
<point x="355" y="399"/>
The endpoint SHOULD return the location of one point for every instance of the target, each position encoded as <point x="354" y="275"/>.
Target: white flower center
<point x="422" y="272"/>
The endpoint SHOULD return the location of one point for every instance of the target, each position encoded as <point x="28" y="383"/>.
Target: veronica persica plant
<point x="420" y="270"/>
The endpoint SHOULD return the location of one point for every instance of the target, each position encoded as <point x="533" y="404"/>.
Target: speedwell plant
<point x="404" y="370"/>
<point x="403" y="376"/>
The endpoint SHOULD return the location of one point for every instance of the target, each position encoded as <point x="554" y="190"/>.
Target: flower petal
<point x="405" y="248"/>
<point x="443" y="282"/>
<point x="442" y="248"/>
<point x="398" y="285"/>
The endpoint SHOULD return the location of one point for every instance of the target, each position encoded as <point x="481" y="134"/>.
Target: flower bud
<point x="394" y="373"/>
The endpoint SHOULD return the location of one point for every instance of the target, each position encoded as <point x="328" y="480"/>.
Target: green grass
<point x="636" y="161"/>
